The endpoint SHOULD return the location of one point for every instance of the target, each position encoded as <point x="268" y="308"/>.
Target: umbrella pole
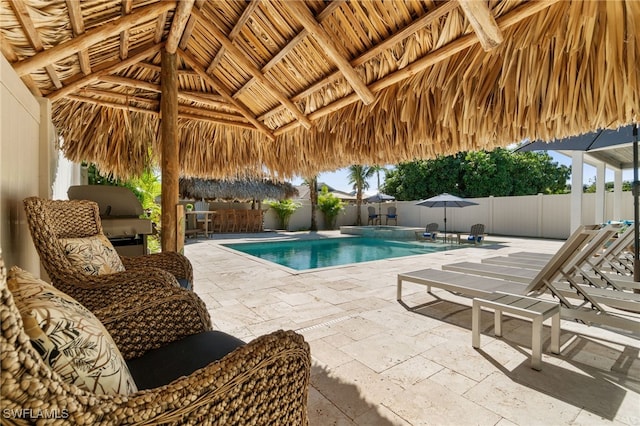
<point x="445" y="222"/>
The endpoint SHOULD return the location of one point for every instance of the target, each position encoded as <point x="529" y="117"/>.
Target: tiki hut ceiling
<point x="298" y="87"/>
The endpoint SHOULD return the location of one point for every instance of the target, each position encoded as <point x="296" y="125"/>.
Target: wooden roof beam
<point x="217" y="84"/>
<point x="518" y="14"/>
<point x="246" y="13"/>
<point x="426" y="19"/>
<point x="180" y="19"/>
<point x="326" y="12"/>
<point x="304" y="15"/>
<point x="91" y="37"/>
<point x="254" y="71"/>
<point x="130" y="82"/>
<point x="105" y="69"/>
<point x="160" y="21"/>
<point x="186" y="35"/>
<point x="188" y="113"/>
<point x="483" y="23"/>
<point x="22" y="13"/>
<point x="124" y="35"/>
<point x="77" y="26"/>
<point x="10" y="54"/>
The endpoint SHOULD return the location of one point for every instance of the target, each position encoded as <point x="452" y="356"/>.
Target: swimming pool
<point x="311" y="254"/>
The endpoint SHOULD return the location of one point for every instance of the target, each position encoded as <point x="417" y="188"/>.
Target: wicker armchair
<point x="263" y="382"/>
<point x="51" y="220"/>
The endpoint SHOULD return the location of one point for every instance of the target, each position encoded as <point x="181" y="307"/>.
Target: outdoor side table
<point x="529" y="307"/>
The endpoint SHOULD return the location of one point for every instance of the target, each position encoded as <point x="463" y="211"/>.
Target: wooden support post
<point x="170" y="149"/>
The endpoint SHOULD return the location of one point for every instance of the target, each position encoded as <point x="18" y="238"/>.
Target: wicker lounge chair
<point x="51" y="220"/>
<point x="262" y="382"/>
<point x="555" y="278"/>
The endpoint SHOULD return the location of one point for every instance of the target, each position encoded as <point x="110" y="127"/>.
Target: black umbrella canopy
<point x="446" y="200"/>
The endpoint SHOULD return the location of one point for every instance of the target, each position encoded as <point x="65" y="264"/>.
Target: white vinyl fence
<point x="544" y="216"/>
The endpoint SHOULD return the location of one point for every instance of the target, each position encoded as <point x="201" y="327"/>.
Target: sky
<point x="339" y="179"/>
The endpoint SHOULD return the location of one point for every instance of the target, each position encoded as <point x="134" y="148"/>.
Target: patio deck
<point x="377" y="362"/>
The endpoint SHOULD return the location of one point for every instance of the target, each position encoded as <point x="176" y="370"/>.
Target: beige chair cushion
<point x="70" y="339"/>
<point x="93" y="255"/>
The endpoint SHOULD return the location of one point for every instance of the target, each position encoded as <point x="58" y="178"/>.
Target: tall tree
<point x="358" y="175"/>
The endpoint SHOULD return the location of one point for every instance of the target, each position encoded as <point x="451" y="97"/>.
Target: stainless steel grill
<point x="120" y="213"/>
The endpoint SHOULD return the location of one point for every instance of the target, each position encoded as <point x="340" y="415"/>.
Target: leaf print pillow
<point x="93" y="255"/>
<point x="70" y="339"/>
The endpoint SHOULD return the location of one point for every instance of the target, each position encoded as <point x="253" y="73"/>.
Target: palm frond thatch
<point x="236" y="190"/>
<point x="564" y="68"/>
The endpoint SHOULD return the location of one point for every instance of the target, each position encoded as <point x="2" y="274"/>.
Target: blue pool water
<point x="311" y="254"/>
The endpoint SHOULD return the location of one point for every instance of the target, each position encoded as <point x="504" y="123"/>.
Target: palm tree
<point x="358" y="175"/>
<point x="377" y="169"/>
<point x="313" y="196"/>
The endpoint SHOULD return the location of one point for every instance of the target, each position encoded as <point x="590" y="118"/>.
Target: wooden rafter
<point x="248" y="66"/>
<point x="77" y="25"/>
<point x="105" y="69"/>
<point x="204" y="115"/>
<point x="124" y="34"/>
<point x="22" y="13"/>
<point x="91" y="37"/>
<point x="189" y="28"/>
<point x="432" y="58"/>
<point x="483" y="23"/>
<point x="304" y="15"/>
<point x="160" y="21"/>
<point x="216" y="84"/>
<point x="248" y="11"/>
<point x="180" y="19"/>
<point x="433" y="15"/>
<point x="10" y="54"/>
<point x="326" y="12"/>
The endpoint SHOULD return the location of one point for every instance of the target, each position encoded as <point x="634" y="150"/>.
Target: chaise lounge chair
<point x="590" y="307"/>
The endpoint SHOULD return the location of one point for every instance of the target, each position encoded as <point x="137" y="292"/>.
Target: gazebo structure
<point x="237" y="88"/>
<point x="242" y="189"/>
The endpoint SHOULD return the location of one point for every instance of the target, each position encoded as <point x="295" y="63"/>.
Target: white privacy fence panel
<point x="543" y="216"/>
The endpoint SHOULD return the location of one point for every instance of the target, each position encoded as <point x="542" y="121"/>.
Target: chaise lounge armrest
<point x="175" y="263"/>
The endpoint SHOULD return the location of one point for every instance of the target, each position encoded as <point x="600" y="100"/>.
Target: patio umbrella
<point x="446" y="200"/>
<point x="379" y="198"/>
<point x="609" y="142"/>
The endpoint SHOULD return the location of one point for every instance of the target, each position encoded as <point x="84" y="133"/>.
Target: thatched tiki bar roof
<point x="244" y="189"/>
<point x="236" y="88"/>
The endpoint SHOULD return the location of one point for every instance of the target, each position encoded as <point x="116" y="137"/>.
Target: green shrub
<point x="284" y="209"/>
<point x="330" y="206"/>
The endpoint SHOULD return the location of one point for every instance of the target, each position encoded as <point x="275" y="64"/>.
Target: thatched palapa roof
<point x="298" y="87"/>
<point x="243" y="189"/>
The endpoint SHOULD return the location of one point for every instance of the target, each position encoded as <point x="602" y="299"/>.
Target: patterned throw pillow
<point x="70" y="339"/>
<point x="93" y="255"/>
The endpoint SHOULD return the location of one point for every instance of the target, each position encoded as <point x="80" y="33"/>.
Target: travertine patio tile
<point x="453" y="381"/>
<point x="412" y="371"/>
<point x="428" y="371"/>
<point x="380" y="416"/>
<point x="429" y="403"/>
<point x="353" y="388"/>
<point x="323" y="412"/>
<point x="328" y="356"/>
<point x="382" y="351"/>
<point x="521" y="404"/>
